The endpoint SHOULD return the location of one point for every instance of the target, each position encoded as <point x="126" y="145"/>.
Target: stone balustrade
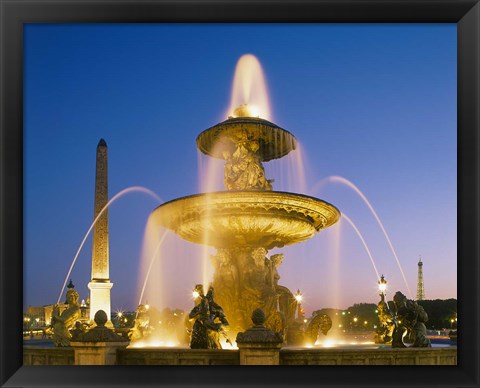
<point x="35" y="355"/>
<point x="381" y="356"/>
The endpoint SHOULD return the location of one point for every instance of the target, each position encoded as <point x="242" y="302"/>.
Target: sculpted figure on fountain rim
<point x="246" y="279"/>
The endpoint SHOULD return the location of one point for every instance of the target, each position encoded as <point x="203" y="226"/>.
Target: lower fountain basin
<point x="266" y="219"/>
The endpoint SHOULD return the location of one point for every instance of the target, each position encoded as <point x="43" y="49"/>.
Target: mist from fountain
<point x="112" y="200"/>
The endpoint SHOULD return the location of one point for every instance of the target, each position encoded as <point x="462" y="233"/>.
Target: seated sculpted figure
<point x="209" y="321"/>
<point x="201" y="315"/>
<point x="218" y="321"/>
<point x="244" y="170"/>
<point x="387" y="322"/>
<point x="63" y="322"/>
<point x="141" y="324"/>
<point x="410" y="316"/>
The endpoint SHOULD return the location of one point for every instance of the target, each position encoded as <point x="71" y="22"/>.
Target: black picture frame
<point x="14" y="13"/>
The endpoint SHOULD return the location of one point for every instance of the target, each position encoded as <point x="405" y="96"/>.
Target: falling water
<point x="297" y="169"/>
<point x="249" y="87"/>
<point x="158" y="277"/>
<point x="210" y="174"/>
<point x="211" y="180"/>
<point x="289" y="172"/>
<point x="152" y="260"/>
<point x="335" y="232"/>
<point x="346" y="182"/>
<point x="113" y="199"/>
<point x="345" y="217"/>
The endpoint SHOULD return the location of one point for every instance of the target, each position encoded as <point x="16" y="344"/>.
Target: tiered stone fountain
<point x="248" y="219"/>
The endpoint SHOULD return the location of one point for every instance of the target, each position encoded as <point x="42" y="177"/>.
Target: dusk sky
<point x="374" y="104"/>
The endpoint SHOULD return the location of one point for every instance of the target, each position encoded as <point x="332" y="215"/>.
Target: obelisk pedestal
<point x="100" y="284"/>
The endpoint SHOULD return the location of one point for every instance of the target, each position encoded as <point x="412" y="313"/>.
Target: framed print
<point x="199" y="194"/>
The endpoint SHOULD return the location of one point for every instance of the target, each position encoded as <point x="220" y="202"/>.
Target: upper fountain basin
<point x="273" y="141"/>
<point x="229" y="219"/>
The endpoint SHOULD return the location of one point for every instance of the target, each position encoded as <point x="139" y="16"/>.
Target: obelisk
<point x="100" y="284"/>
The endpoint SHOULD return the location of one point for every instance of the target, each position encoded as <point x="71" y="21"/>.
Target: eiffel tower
<point x="420" y="289"/>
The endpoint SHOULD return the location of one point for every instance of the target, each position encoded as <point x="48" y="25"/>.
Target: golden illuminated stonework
<point x="266" y="219"/>
<point x="273" y="142"/>
<point x="248" y="219"/>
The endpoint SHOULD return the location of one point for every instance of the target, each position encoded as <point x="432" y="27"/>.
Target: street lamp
<point x="382" y="286"/>
<point x="452" y="321"/>
<point x="120" y="319"/>
<point x="197" y="293"/>
<point x="299" y="297"/>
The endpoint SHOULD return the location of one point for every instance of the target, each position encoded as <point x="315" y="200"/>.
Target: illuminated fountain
<point x="248" y="219"/>
<point x="243" y="223"/>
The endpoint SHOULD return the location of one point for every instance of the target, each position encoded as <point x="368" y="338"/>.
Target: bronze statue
<point x="272" y="270"/>
<point x="244" y="170"/>
<point x="141" y="325"/>
<point x="409" y="317"/>
<point x="63" y="322"/>
<point x="78" y="331"/>
<point x="199" y="336"/>
<point x="319" y="322"/>
<point x="216" y="311"/>
<point x="199" y="293"/>
<point x="209" y="322"/>
<point x="227" y="271"/>
<point x="217" y="316"/>
<point x="387" y="322"/>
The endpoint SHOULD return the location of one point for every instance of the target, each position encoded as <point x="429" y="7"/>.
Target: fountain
<point x="248" y="219"/>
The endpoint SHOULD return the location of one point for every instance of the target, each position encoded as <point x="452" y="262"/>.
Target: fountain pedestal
<point x="99" y="345"/>
<point x="97" y="353"/>
<point x="259" y="345"/>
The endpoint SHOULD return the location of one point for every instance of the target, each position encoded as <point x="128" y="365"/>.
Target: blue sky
<point x="375" y="104"/>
